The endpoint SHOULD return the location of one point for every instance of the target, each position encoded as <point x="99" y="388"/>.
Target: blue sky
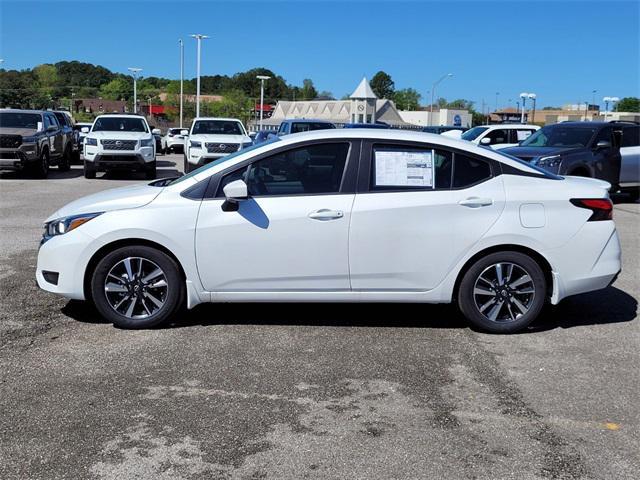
<point x="559" y="50"/>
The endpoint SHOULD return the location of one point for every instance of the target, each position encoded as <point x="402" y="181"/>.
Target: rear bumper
<point x="579" y="273"/>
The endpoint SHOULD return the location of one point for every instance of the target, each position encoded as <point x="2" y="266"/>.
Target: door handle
<point x="326" y="214"/>
<point x="475" y="202"/>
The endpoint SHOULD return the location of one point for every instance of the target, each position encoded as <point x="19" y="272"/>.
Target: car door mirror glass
<point x="156" y="131"/>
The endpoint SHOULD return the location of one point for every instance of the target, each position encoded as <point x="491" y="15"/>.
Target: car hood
<point x="133" y="196"/>
<point x="534" y="152"/>
<point x="25" y="132"/>
<point x="220" y="138"/>
<point x="119" y="135"/>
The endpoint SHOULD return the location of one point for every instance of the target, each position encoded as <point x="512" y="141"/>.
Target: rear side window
<point x="399" y="168"/>
<point x="468" y="171"/>
<point x="311" y="170"/>
<point x="631" y="137"/>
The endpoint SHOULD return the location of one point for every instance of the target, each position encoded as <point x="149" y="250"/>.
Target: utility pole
<point x="199" y="37"/>
<point x="134" y="73"/>
<point x="181" y="79"/>
<point x="262" y="78"/>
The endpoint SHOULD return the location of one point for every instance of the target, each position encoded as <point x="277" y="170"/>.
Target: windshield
<point x="19" y="120"/>
<point x="119" y="124"/>
<point x="225" y="159"/>
<point x="559" y="136"/>
<point x="471" y="135"/>
<point x="217" y="127"/>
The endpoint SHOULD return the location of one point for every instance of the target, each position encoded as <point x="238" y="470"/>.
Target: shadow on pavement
<point x="602" y="307"/>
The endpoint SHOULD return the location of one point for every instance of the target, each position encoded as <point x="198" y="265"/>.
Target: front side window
<point x="497" y="137"/>
<point x="307" y="126"/>
<point x="217" y="127"/>
<point x="62" y="119"/>
<point x="310" y="170"/>
<point x="475" y="132"/>
<point x="119" y="124"/>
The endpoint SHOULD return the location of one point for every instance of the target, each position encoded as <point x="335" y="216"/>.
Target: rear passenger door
<point x="416" y="212"/>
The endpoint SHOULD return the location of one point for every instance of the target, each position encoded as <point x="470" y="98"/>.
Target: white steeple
<point x="363" y="90"/>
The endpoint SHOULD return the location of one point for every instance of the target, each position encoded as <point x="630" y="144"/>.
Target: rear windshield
<point x="119" y="124"/>
<point x="217" y="127"/>
<point x="19" y="120"/>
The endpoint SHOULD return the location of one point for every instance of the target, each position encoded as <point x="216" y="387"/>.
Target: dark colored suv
<point x="298" y="125"/>
<point x="31" y="140"/>
<point x="584" y="149"/>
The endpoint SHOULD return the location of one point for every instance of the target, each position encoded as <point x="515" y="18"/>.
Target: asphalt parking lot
<point x="308" y="391"/>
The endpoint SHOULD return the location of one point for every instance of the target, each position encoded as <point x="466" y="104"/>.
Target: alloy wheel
<point x="504" y="292"/>
<point x="136" y="288"/>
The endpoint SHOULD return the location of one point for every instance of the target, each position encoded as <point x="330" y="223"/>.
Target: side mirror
<point x="184" y="132"/>
<point x="602" y="144"/>
<point x="485" y="141"/>
<point x="84" y="129"/>
<point x="156" y="131"/>
<point x="234" y="192"/>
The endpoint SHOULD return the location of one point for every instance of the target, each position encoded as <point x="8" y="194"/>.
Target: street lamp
<point x="523" y="96"/>
<point x="532" y="96"/>
<point x="199" y="37"/>
<point x="606" y="101"/>
<point x="262" y="78"/>
<point x="497" y="94"/>
<point x="134" y="74"/>
<point x="181" y="78"/>
<point x="433" y="91"/>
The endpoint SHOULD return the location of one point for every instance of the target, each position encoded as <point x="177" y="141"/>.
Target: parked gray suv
<point x="31" y="140"/>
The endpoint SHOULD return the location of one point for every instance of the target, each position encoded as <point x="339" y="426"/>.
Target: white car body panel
<point x="270" y="250"/>
<point x="630" y="167"/>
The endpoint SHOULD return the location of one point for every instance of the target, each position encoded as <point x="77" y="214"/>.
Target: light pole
<point x="433" y="91"/>
<point x="262" y="78"/>
<point x="134" y="74"/>
<point x="532" y="96"/>
<point x="199" y="37"/>
<point x="497" y="94"/>
<point x="606" y="101"/>
<point x="181" y="78"/>
<point x="523" y="96"/>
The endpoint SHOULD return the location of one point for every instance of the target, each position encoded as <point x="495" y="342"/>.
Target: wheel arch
<point x="536" y="256"/>
<point x="127" y="242"/>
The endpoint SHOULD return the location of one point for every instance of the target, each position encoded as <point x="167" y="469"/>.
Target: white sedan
<point x="339" y="216"/>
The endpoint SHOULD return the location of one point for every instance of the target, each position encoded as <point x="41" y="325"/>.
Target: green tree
<point x="308" y="92"/>
<point x="628" y="104"/>
<point x="382" y="85"/>
<point x="460" y="104"/>
<point x="407" y="99"/>
<point x="117" y="89"/>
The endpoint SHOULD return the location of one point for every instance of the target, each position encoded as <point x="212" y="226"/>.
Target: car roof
<point x="375" y="134"/>
<point x="19" y="110"/>
<point x="305" y="120"/>
<point x="217" y="118"/>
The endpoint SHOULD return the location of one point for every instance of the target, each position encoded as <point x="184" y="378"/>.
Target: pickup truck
<point x="71" y="135"/>
<point x="31" y="141"/>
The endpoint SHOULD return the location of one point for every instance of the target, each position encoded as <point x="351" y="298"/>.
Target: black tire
<point x="138" y="291"/>
<point x="64" y="164"/>
<point x="187" y="166"/>
<point x="40" y="169"/>
<point x="89" y="170"/>
<point x="150" y="171"/>
<point x="515" y="310"/>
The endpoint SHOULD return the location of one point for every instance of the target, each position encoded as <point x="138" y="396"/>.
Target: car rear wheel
<point x="64" y="164"/>
<point x="137" y="287"/>
<point x="502" y="292"/>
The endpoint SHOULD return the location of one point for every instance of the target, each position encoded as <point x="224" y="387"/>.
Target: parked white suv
<point x="496" y="136"/>
<point x="119" y="141"/>
<point x="213" y="138"/>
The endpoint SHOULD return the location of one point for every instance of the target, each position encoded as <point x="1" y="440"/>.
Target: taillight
<point x="602" y="208"/>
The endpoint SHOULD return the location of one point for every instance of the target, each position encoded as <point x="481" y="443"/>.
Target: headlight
<point x="91" y="141"/>
<point x="195" y="144"/>
<point x="63" y="225"/>
<point x="29" y="139"/>
<point x="549" y="162"/>
<point x="147" y="143"/>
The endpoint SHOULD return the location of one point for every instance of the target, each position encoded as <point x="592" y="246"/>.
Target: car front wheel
<point x="502" y="292"/>
<point x="137" y="287"/>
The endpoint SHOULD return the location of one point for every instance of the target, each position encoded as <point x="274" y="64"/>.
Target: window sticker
<point x="523" y="134"/>
<point x="404" y="169"/>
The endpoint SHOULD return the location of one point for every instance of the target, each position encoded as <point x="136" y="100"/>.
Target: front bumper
<point x="131" y="159"/>
<point x="18" y="158"/>
<point x="201" y="158"/>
